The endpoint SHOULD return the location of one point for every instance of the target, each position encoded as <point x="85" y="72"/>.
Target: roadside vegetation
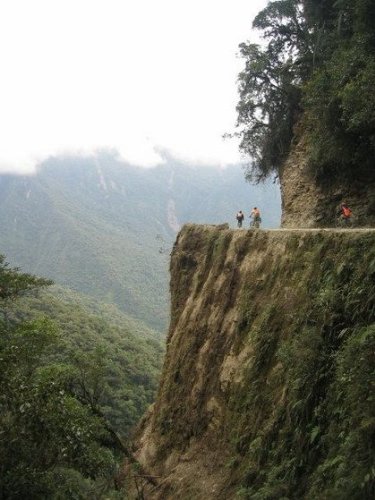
<point x="71" y="387"/>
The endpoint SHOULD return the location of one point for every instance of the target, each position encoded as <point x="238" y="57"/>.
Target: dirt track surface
<point x="314" y="230"/>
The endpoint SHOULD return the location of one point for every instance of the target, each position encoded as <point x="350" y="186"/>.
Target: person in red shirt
<point x="346" y="214"/>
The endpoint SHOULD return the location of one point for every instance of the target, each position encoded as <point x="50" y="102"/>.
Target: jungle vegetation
<point x="314" y="74"/>
<point x="71" y="386"/>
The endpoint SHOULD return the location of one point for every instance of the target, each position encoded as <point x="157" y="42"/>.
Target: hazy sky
<point x="135" y="75"/>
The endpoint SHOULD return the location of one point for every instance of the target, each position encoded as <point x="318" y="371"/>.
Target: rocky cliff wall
<point x="308" y="201"/>
<point x="266" y="387"/>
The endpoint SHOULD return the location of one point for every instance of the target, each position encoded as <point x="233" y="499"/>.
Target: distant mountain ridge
<point x="105" y="228"/>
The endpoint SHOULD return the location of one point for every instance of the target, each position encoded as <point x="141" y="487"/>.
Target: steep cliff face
<point x="308" y="201"/>
<point x="266" y="387"/>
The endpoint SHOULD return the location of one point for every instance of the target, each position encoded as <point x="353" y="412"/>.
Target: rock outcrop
<point x="308" y="201"/>
<point x="266" y="387"/>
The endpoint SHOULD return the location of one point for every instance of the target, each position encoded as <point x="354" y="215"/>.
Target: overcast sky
<point x="135" y="75"/>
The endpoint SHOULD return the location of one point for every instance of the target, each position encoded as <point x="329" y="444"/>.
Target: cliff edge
<point x="266" y="386"/>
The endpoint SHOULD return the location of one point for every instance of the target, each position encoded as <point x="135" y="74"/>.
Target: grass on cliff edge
<point x="303" y="420"/>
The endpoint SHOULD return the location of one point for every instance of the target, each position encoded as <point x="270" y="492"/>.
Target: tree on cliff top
<point x="317" y="68"/>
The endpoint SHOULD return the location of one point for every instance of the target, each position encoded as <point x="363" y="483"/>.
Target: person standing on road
<point x="346" y="214"/>
<point x="255" y="217"/>
<point x="240" y="217"/>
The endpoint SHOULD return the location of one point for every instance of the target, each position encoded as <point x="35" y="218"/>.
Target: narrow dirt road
<point x="315" y="229"/>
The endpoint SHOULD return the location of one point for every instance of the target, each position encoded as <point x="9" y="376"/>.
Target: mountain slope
<point x="121" y="356"/>
<point x="105" y="228"/>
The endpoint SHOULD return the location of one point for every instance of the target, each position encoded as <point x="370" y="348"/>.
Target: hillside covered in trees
<point x="309" y="91"/>
<point x="73" y="382"/>
<point x="105" y="228"/>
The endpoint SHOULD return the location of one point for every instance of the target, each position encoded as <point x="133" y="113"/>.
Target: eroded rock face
<point x="262" y="324"/>
<point x="309" y="202"/>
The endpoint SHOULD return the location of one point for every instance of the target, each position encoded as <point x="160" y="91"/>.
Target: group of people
<point x="345" y="216"/>
<point x="254" y="216"/>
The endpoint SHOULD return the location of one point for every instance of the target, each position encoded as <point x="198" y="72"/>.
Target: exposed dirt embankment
<point x="308" y="201"/>
<point x="265" y="391"/>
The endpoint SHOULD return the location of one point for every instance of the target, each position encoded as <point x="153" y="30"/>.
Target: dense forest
<point x="313" y="76"/>
<point x="73" y="383"/>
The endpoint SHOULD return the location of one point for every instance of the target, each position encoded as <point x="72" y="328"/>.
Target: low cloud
<point x="117" y="81"/>
<point x="141" y="153"/>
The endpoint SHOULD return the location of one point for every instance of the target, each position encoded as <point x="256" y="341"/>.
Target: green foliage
<point x="116" y="362"/>
<point x="348" y="470"/>
<point x="270" y="86"/>
<point x="340" y="106"/>
<point x="318" y="62"/>
<point x="58" y="381"/>
<point x="14" y="283"/>
<point x="302" y="419"/>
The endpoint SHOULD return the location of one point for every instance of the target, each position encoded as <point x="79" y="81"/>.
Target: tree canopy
<point x="71" y="385"/>
<point x="317" y="69"/>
